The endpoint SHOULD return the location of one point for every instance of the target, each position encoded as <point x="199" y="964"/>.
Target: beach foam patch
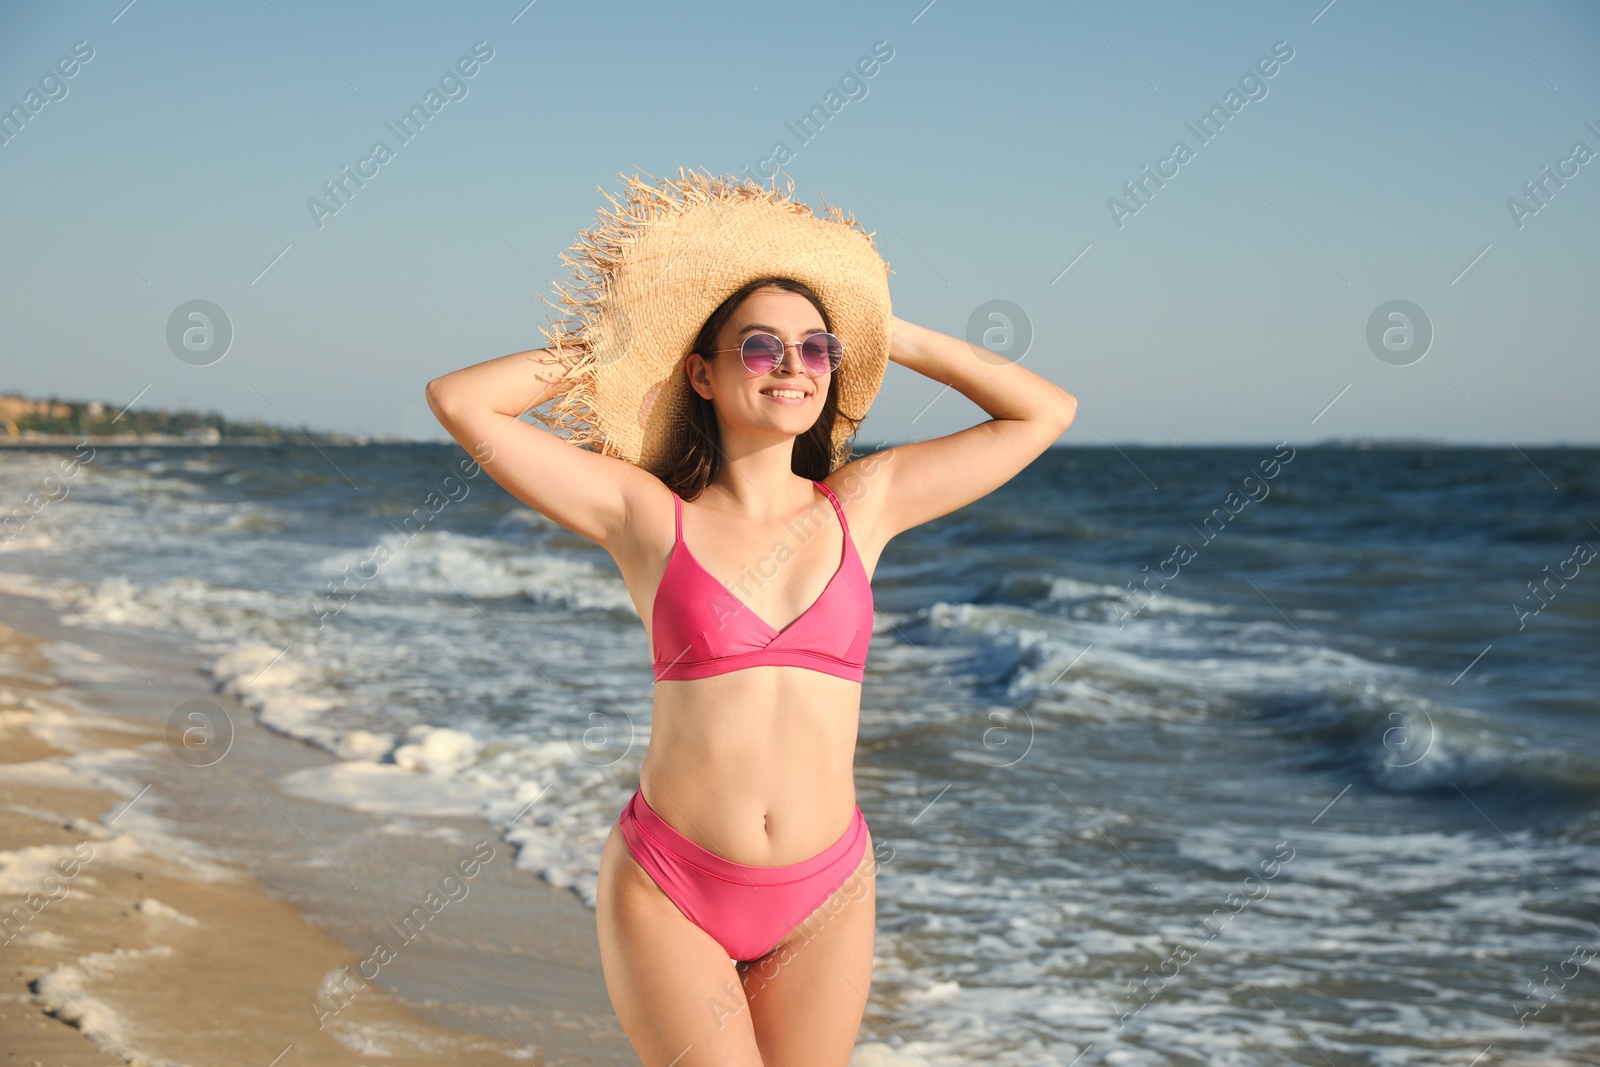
<point x="67" y="992"/>
<point x="384" y="788"/>
<point x="154" y="909"/>
<point x="437" y="750"/>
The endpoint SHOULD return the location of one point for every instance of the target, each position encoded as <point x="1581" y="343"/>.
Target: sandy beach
<point x="125" y="942"/>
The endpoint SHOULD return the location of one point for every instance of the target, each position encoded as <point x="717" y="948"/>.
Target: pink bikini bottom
<point x="747" y="910"/>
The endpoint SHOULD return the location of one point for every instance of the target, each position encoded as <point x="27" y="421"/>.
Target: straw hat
<point x="650" y="273"/>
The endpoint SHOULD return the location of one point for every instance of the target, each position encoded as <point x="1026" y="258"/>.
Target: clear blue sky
<point x="1232" y="307"/>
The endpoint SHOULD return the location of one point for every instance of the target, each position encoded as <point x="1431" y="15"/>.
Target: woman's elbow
<point x="1067" y="408"/>
<point x="440" y="400"/>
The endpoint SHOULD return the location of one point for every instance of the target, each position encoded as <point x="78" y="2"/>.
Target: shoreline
<point x="137" y="926"/>
<point x="36" y="439"/>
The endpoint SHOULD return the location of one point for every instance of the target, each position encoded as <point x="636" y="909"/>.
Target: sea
<point x="1250" y="755"/>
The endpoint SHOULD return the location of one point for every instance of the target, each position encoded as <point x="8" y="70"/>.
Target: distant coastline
<point x="53" y="421"/>
<point x="293" y="440"/>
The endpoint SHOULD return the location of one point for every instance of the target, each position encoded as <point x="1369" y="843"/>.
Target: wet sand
<point x="133" y="933"/>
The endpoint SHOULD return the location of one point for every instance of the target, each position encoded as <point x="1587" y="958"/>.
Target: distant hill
<point x="55" y="421"/>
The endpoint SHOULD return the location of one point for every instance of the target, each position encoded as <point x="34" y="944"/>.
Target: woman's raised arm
<point x="919" y="482"/>
<point x="588" y="493"/>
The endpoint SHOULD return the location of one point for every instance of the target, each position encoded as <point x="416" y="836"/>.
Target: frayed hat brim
<point x="655" y="266"/>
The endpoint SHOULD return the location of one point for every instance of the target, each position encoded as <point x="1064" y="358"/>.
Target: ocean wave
<point x="1109" y="602"/>
<point x="441" y="563"/>
<point x="1352" y="715"/>
<point x="1403" y="742"/>
<point x="1182" y="666"/>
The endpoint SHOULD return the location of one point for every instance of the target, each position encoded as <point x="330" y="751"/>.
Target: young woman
<point x="736" y="892"/>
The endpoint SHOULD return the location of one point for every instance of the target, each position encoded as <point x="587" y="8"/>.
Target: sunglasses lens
<point x="761" y="352"/>
<point x="822" y="353"/>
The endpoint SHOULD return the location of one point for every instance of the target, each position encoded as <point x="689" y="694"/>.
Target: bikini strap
<point x="837" y="510"/>
<point x="677" y="518"/>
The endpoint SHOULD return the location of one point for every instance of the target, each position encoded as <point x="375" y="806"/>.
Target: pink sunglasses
<point x="762" y="353"/>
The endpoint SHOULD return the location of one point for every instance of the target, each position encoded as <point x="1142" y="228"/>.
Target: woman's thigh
<point x="807" y="996"/>
<point x="675" y="992"/>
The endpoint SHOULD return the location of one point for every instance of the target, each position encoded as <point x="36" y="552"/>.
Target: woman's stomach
<point x="755" y="765"/>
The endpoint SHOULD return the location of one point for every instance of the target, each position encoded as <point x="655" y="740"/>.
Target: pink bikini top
<point x="700" y="628"/>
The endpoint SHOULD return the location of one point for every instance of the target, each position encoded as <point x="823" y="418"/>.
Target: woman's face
<point x="764" y="404"/>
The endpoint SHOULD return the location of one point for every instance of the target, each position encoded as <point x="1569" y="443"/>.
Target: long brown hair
<point x="700" y="458"/>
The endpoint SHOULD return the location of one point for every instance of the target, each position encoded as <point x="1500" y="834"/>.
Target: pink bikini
<point x="701" y="629"/>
